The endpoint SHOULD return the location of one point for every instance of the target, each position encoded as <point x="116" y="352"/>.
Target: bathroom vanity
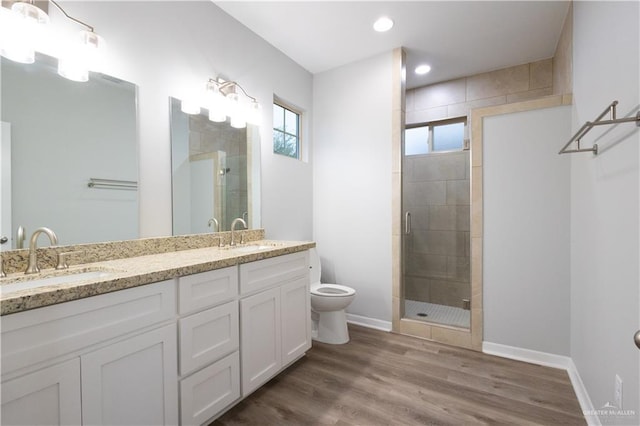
<point x="173" y="338"/>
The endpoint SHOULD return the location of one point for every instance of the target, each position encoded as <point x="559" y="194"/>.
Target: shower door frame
<point x="472" y="337"/>
<point x="463" y="337"/>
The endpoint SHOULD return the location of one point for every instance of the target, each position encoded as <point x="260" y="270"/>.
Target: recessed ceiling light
<point x="422" y="69"/>
<point x="383" y="24"/>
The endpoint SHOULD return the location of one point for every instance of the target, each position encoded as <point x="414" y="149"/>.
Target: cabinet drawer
<point x="199" y="291"/>
<point x="265" y="273"/>
<point x="207" y="336"/>
<point x="204" y="394"/>
<point x="34" y="336"/>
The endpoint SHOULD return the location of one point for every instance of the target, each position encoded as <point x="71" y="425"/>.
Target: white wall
<point x="170" y="48"/>
<point x="526" y="230"/>
<point x="352" y="181"/>
<point x="604" y="204"/>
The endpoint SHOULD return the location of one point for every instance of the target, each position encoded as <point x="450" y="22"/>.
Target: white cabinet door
<point x="132" y="382"/>
<point x="205" y="393"/>
<point x="50" y="396"/>
<point x="260" y="338"/>
<point x="296" y="319"/>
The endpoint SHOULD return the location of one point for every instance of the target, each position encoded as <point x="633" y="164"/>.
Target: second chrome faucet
<point x="32" y="266"/>
<point x="233" y="228"/>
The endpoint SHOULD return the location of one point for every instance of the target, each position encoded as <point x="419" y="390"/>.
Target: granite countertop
<point x="131" y="272"/>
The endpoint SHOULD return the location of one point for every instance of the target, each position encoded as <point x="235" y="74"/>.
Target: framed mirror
<point x="214" y="173"/>
<point x="69" y="155"/>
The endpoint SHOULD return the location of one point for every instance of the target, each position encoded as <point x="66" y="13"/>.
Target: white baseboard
<point x="583" y="397"/>
<point x="549" y="360"/>
<point x="369" y="322"/>
<point x="527" y="355"/>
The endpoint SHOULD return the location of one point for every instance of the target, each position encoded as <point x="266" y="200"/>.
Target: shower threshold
<point x="440" y="314"/>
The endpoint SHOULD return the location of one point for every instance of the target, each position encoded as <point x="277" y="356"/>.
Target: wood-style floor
<point x="382" y="378"/>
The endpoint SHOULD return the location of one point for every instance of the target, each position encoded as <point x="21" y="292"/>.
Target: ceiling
<point x="456" y="38"/>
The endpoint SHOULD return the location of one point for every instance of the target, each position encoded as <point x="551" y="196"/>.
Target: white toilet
<point x="328" y="302"/>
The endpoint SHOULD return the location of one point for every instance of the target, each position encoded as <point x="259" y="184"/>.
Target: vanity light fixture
<point x="21" y="29"/>
<point x="25" y="23"/>
<point x="80" y="56"/>
<point x="383" y="24"/>
<point x="226" y="99"/>
<point x="422" y="69"/>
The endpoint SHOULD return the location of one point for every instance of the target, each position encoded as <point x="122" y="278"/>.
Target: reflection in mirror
<point x="211" y="173"/>
<point x="58" y="135"/>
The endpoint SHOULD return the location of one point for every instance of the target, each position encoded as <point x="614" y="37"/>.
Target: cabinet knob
<point x="636" y="339"/>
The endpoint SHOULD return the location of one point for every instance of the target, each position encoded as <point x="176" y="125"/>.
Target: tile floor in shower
<point x="440" y="314"/>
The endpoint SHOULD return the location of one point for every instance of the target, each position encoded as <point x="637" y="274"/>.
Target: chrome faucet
<point x="233" y="227"/>
<point x="214" y="221"/>
<point x="32" y="266"/>
<point x="20" y="236"/>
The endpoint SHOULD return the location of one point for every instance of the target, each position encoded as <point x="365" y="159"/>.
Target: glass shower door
<point x="436" y="237"/>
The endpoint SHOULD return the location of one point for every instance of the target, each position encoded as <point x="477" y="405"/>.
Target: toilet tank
<point x="315" y="270"/>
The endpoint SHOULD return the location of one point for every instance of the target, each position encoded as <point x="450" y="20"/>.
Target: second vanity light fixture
<point x="23" y="27"/>
<point x="226" y="99"/>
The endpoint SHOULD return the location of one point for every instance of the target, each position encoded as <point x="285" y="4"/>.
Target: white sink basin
<point x="250" y="248"/>
<point x="58" y="279"/>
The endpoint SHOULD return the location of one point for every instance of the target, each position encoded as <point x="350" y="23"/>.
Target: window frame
<point x="431" y="124"/>
<point x="299" y="114"/>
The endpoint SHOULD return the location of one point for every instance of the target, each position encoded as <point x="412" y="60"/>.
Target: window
<point x="286" y="131"/>
<point x="435" y="137"/>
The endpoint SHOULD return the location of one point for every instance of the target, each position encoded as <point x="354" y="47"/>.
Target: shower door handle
<point x="407" y="223"/>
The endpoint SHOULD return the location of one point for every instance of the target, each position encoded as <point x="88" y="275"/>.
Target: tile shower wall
<point x="455" y="98"/>
<point x="437" y="251"/>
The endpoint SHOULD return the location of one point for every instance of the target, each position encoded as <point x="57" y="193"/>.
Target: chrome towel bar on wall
<point x="586" y="127"/>
<point x="112" y="184"/>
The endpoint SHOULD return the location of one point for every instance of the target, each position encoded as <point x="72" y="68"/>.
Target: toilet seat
<point x="331" y="290"/>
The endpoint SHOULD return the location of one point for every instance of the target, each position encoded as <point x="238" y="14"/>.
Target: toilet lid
<point x="314" y="266"/>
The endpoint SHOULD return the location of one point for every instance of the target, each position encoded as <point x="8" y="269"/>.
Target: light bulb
<point x="422" y="69"/>
<point x="253" y="113"/>
<point x="30" y="12"/>
<point x="80" y="56"/>
<point x="216" y="104"/>
<point x="238" y="122"/>
<point x="73" y="68"/>
<point x="217" y="116"/>
<point x="92" y="46"/>
<point x="236" y="111"/>
<point x="190" y="106"/>
<point x="20" y="32"/>
<point x="383" y="24"/>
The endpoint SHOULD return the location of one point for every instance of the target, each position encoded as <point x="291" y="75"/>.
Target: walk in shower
<point x="436" y="235"/>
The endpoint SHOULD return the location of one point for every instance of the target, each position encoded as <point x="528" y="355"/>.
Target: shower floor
<point x="440" y="314"/>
